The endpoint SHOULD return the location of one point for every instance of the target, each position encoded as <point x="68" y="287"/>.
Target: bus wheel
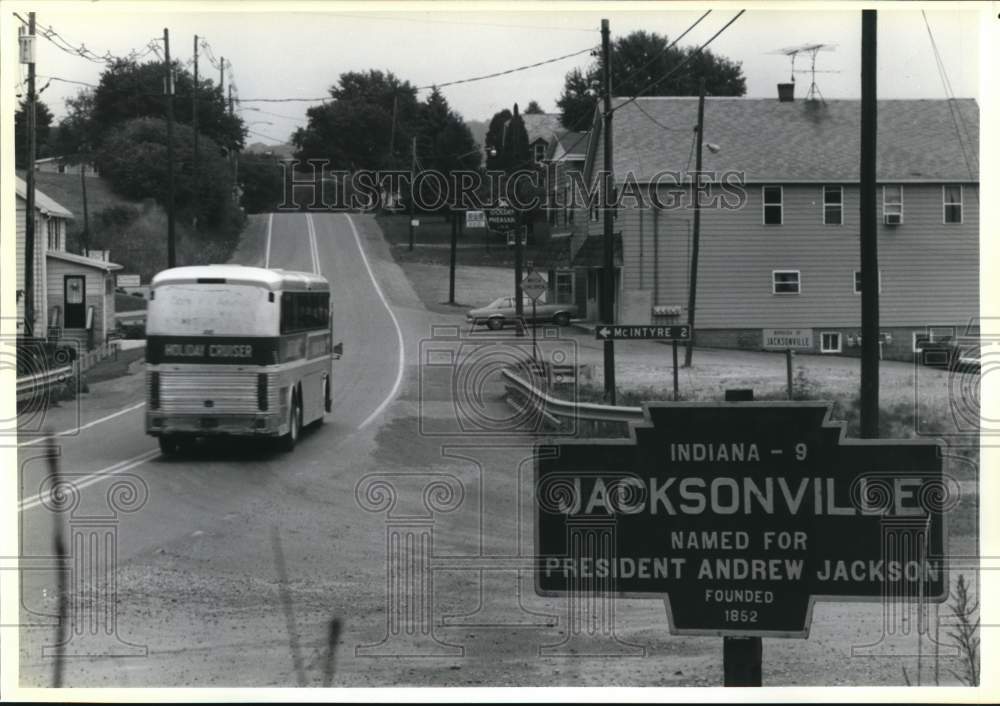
<point x="289" y="440"/>
<point x="169" y="446"/>
<point x="327" y="402"/>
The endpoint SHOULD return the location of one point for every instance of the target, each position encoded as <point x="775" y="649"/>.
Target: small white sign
<point x="783" y="338"/>
<point x="415" y="222"/>
<point x="475" y="219"/>
<point x="128" y="280"/>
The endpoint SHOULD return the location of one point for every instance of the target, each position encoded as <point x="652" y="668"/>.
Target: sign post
<point x="788" y="340"/>
<point x="740" y="516"/>
<point x="673" y="344"/>
<point x="534" y="285"/>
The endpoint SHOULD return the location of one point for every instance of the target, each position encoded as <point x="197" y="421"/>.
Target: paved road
<point x="384" y="551"/>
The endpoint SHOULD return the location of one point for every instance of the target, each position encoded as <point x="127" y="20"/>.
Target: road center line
<point x="88" y="425"/>
<point x="313" y="247"/>
<point x="267" y="249"/>
<point x="399" y="332"/>
<point x="95" y="477"/>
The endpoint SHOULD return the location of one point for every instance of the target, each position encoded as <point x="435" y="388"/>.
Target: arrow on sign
<point x="604" y="332"/>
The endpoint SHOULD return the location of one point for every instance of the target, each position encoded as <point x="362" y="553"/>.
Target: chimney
<point x="786" y="92"/>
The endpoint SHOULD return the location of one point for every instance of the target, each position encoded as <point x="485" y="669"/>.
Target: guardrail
<point x="554" y="408"/>
<point x="30" y="385"/>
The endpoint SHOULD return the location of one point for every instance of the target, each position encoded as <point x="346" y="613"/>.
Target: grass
<point x="134" y="232"/>
<point x="477" y="247"/>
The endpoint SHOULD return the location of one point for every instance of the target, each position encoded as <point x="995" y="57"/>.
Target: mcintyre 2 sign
<point x="740" y="515"/>
<point x="643" y="332"/>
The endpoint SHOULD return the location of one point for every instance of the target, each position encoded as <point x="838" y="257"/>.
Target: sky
<point x="277" y="52"/>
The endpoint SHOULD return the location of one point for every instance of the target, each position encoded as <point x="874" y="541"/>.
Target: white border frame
<point x="785" y="294"/>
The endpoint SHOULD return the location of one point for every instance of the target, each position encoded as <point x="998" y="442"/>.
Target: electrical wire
<point x="681" y="65"/>
<point x="508" y="71"/>
<point x="952" y="108"/>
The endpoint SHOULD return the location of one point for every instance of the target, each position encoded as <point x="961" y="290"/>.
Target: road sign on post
<point x="643" y="332"/>
<point x="741" y="515"/>
<point x="534" y="285"/>
<point x="475" y="219"/>
<point x="502" y="219"/>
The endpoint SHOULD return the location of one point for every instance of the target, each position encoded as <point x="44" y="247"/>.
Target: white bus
<point x="237" y="350"/>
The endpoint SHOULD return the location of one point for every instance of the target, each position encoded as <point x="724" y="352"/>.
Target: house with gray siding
<point x="779" y="242"/>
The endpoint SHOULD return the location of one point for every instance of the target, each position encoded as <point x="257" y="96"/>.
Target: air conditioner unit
<point x="893" y="219"/>
<point x="674" y="310"/>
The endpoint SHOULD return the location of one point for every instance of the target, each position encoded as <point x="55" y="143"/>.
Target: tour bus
<point x="234" y="350"/>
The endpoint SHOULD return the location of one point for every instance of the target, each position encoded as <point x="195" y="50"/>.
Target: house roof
<point x="44" y="203"/>
<point x="568" y="145"/>
<point x="810" y="141"/>
<point x="541" y="125"/>
<point x="85" y="261"/>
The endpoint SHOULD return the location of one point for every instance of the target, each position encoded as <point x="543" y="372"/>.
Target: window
<point x="833" y="205"/>
<point x="540" y="151"/>
<point x="303" y="311"/>
<point x="952" y="203"/>
<point x="829" y="342"/>
<point x="109" y="285"/>
<point x="857" y="281"/>
<point x="52" y="230"/>
<point x="564" y="288"/>
<point x="892" y="204"/>
<point x="773" y="209"/>
<point x="785" y="282"/>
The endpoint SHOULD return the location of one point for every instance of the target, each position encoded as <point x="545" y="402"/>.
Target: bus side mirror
<point x="338" y="351"/>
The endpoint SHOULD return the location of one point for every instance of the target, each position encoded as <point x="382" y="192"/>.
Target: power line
<point x="666" y="48"/>
<point x="950" y="98"/>
<point x="508" y="71"/>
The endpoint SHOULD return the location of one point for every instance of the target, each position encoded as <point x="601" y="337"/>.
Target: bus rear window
<point x="212" y="309"/>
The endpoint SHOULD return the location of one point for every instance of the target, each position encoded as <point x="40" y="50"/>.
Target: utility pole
<point x="86" y="216"/>
<point x="869" y="229"/>
<point x="515" y="154"/>
<point x="454" y="248"/>
<point x="222" y="77"/>
<point x="29" y="180"/>
<point x="194" y="126"/>
<point x="608" y="283"/>
<point x="689" y="351"/>
<point x="168" y="89"/>
<point x="413" y="193"/>
<point x="392" y="133"/>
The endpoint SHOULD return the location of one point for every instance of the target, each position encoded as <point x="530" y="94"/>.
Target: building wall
<point x="930" y="271"/>
<point x="95" y="294"/>
<point x="39" y="266"/>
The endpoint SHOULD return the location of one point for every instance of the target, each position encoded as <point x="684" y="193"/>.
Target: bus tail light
<point x="154" y="390"/>
<point x="262" y="391"/>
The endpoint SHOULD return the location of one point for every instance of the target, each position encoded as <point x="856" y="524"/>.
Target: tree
<point x="355" y="129"/>
<point x="494" y="138"/>
<point x="133" y="157"/>
<point x="643" y="63"/>
<point x="128" y="90"/>
<point x="444" y="141"/>
<point x="533" y="109"/>
<point x="77" y="134"/>
<point x="515" y="153"/>
<point x="43" y="122"/>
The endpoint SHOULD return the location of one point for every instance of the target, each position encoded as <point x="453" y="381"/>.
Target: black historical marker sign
<point x="644" y="332"/>
<point x="502" y="218"/>
<point x="741" y="515"/>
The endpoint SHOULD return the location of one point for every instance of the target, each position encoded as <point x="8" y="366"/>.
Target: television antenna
<point x="810" y="50"/>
